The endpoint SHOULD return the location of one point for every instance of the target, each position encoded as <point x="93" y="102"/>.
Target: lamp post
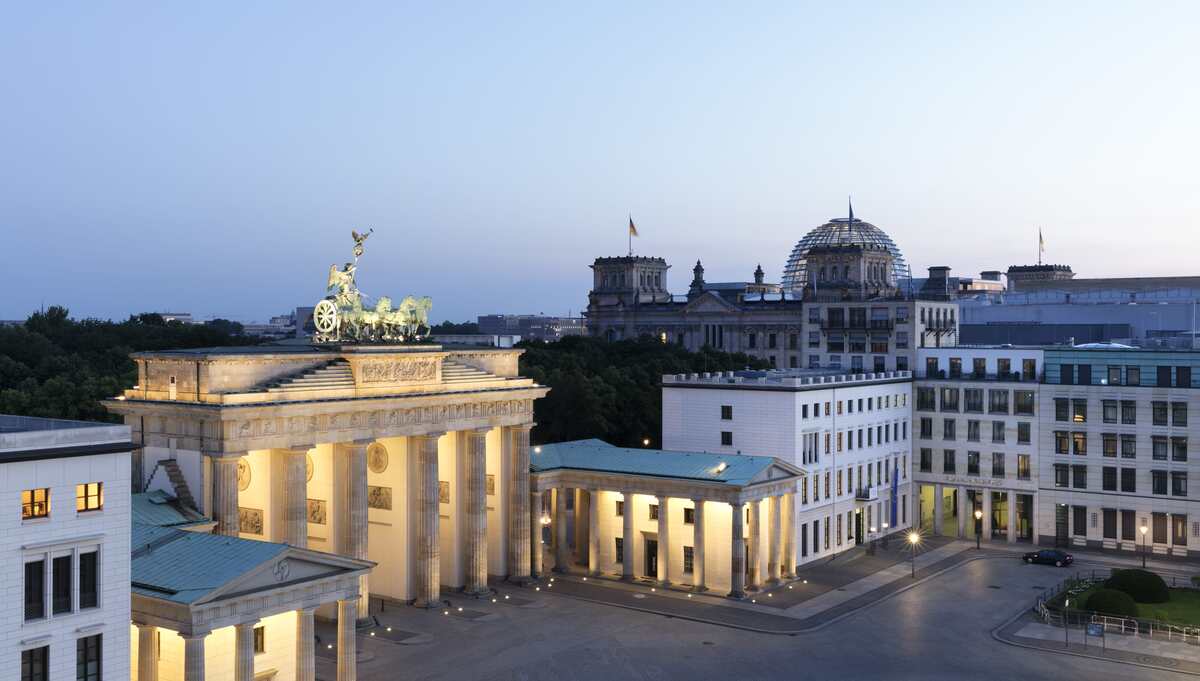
<point x="1143" y="529"/>
<point x="885" y="536"/>
<point x="874" y="538"/>
<point x="913" y="540"/>
<point x="978" y="526"/>
<point x="645" y="442"/>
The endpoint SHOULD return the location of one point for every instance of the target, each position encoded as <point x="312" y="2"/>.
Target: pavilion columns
<point x="193" y="656"/>
<point x="628" y="545"/>
<point x="295" y="497"/>
<point x="147" y="662"/>
<point x="789" y="535"/>
<point x="961" y="506"/>
<point x="1012" y="517"/>
<point x="774" y="537"/>
<point x="225" y="494"/>
<point x="519" y="529"/>
<point x="938" y="511"/>
<point x="535" y="531"/>
<point x="737" y="553"/>
<point x="583" y="502"/>
<point x="347" y="655"/>
<point x="243" y="651"/>
<point x="476" y="512"/>
<point x="593" y="531"/>
<point x="698" y="582"/>
<point x="664" y="540"/>
<point x="986" y="521"/>
<point x="753" y="555"/>
<point x="350" y="506"/>
<point x="306" y="649"/>
<point x="562" y="550"/>
<point x="428" y="549"/>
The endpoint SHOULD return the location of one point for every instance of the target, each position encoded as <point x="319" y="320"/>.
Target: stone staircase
<point x="454" y="372"/>
<point x="332" y="376"/>
<point x="178" y="483"/>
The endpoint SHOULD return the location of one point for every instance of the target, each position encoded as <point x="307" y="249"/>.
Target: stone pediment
<point x="777" y="471"/>
<point x="294" y="566"/>
<point x="709" y="302"/>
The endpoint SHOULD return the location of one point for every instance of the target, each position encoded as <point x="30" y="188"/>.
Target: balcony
<point x="867" y="493"/>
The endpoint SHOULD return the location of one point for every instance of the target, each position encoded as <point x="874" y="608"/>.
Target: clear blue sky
<point x="213" y="157"/>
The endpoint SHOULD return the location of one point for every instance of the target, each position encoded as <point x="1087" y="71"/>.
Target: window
<point x="1079" y="476"/>
<point x="948" y="429"/>
<point x="1109" y="478"/>
<point x="1023" y="402"/>
<point x="1178" y="484"/>
<point x="1129" y="480"/>
<point x="1062" y="474"/>
<point x="1183" y="377"/>
<point x="948" y="461"/>
<point x="1179" y="449"/>
<point x="997" y="401"/>
<point x="925" y="398"/>
<point x="1022" y="466"/>
<point x="726" y="438"/>
<point x="998" y="431"/>
<point x="1066" y="374"/>
<point x="35" y="503"/>
<point x="1158" y="447"/>
<point x="1004" y="368"/>
<point x="1108" y="444"/>
<point x="1085" y="374"/>
<point x="35" y="664"/>
<point x="1079" y="443"/>
<point x="1114" y="375"/>
<point x="1110" y="523"/>
<point x="926" y="460"/>
<point x="653" y="508"/>
<point x="89" y="573"/>
<point x="1128" y="412"/>
<point x="926" y="428"/>
<point x="1128" y="447"/>
<point x="726" y="412"/>
<point x="814" y="340"/>
<point x="974" y="400"/>
<point x="620" y="550"/>
<point x="1061" y="409"/>
<point x="1109" y="411"/>
<point x="1158" y="482"/>
<point x="1128" y="525"/>
<point x="972" y="463"/>
<point x="89" y="496"/>
<point x="620" y="508"/>
<point x="688" y="560"/>
<point x="260" y="640"/>
<point x="1133" y="376"/>
<point x="60" y="583"/>
<point x="689" y="516"/>
<point x="87" y="658"/>
<point x="1178" y="529"/>
<point x="1079" y="519"/>
<point x="1158" y="412"/>
<point x="35" y="590"/>
<point x="972" y="431"/>
<point x="1028" y="369"/>
<point x="1159" y="527"/>
<point x="1061" y="442"/>
<point x="1179" y="413"/>
<point x="949" y="399"/>
<point x="1079" y="411"/>
<point x="997" y="465"/>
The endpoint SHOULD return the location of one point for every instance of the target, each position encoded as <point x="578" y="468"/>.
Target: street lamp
<point x="874" y="538"/>
<point x="978" y="526"/>
<point x="645" y="442"/>
<point x="1143" y="529"/>
<point x="913" y="540"/>
<point x="885" y="536"/>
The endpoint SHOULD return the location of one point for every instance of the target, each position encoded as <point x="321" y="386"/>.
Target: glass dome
<point x="839" y="232"/>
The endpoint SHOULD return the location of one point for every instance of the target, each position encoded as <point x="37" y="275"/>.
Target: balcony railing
<point x="866" y="493"/>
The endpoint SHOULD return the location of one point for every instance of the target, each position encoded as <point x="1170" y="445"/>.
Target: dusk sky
<point x="213" y="157"/>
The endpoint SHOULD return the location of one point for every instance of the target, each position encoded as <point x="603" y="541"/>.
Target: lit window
<point x="89" y="496"/>
<point x="260" y="640"/>
<point x="35" y="503"/>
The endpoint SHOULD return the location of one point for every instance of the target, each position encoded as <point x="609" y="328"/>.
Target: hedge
<point x="1141" y="585"/>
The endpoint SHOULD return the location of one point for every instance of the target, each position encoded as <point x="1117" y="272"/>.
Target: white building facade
<point x="848" y="433"/>
<point x="64" y="540"/>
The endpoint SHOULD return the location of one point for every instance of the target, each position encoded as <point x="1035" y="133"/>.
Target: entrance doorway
<point x="858" y="527"/>
<point x="652" y="558"/>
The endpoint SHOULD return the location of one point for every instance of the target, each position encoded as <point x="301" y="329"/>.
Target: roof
<point x="596" y="455"/>
<point x="28" y="438"/>
<point x="183" y="567"/>
<point x="849" y="231"/>
<point x="26" y="424"/>
<point x="161" y="509"/>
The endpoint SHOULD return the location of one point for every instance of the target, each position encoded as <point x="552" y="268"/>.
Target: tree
<point x="448" y="328"/>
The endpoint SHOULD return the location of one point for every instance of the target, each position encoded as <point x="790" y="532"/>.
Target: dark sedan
<point x="1049" y="557"/>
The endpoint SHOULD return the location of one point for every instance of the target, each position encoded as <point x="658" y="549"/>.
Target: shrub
<point x="1142" y="586"/>
<point x="1196" y="581"/>
<point x="1111" y="602"/>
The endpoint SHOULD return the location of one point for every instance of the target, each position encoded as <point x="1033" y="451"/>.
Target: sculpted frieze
<point x="397" y="371"/>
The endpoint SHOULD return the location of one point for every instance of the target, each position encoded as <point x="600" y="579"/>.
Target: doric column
<point x="754" y="548"/>
<point x="698" y="580"/>
<point x="306" y="647"/>
<point x="147" y="664"/>
<point x="774" y="537"/>
<point x="938" y="510"/>
<point x="593" y="551"/>
<point x="1012" y="517"/>
<point x="519" y="560"/>
<point x="789" y="535"/>
<point x="350" y="503"/>
<point x="225" y="494"/>
<point x="562" y="550"/>
<point x="476" y="512"/>
<point x="986" y="521"/>
<point x="428" y="553"/>
<point x="193" y="656"/>
<point x="295" y="496"/>
<point x="243" y="651"/>
<point x="536" y="548"/>
<point x="737" y="553"/>
<point x="629" y="550"/>
<point x="962" y="512"/>
<point x="582" y="518"/>
<point x="664" y="540"/>
<point x="347" y="658"/>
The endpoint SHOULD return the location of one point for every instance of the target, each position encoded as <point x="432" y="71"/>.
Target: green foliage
<point x="1141" y="585"/>
<point x="1196" y="581"/>
<point x="449" y="328"/>
<point x="1111" y="602"/>
<point x="60" y="367"/>
<point x="611" y="390"/>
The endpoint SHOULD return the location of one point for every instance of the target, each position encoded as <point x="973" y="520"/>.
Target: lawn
<point x="1183" y="608"/>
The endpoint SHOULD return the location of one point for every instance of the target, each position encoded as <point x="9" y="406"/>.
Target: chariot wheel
<point x="325" y="317"/>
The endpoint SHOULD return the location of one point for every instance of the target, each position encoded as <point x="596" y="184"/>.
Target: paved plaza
<point x="941" y="628"/>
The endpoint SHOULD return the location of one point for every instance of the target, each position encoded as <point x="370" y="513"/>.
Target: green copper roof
<point x="159" y="508"/>
<point x="181" y="566"/>
<point x="597" y="455"/>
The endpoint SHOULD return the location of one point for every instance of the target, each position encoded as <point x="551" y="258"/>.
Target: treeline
<point x="60" y="367"/>
<point x="611" y="390"/>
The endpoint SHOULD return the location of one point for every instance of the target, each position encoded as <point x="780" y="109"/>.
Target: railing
<point x="866" y="493"/>
<point x="1058" y="616"/>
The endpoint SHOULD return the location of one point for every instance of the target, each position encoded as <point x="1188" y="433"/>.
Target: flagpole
<point x="630" y="235"/>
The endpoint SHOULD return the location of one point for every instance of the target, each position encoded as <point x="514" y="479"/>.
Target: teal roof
<point x="159" y="508"/>
<point x="597" y="455"/>
<point x="183" y="567"/>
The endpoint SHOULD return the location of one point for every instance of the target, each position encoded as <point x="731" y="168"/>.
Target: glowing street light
<point x="1143" y="529"/>
<point x="913" y="540"/>
<point x="645" y="442"/>
<point x="978" y="527"/>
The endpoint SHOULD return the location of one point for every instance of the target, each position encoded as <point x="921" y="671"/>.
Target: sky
<point x="213" y="157"/>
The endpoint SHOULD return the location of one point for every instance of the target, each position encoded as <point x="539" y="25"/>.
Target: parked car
<point x="1049" y="557"/>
